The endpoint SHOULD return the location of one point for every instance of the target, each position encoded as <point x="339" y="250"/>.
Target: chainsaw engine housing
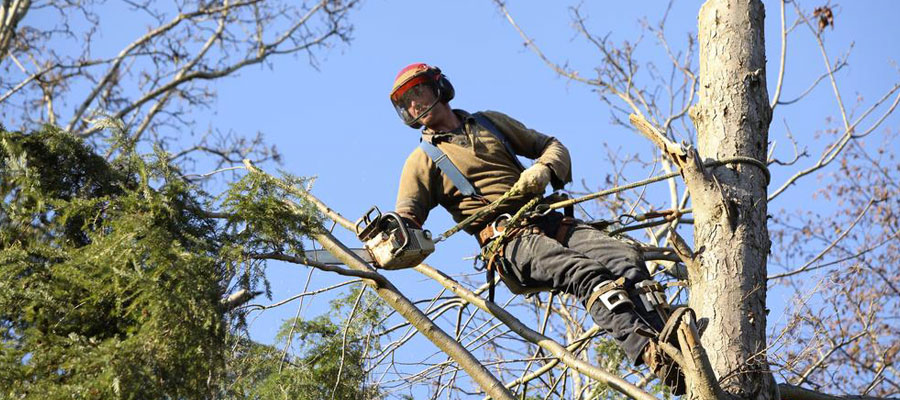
<point x="391" y="243"/>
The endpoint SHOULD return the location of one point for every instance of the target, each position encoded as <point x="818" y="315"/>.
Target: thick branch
<point x="238" y="299"/>
<point x="532" y="336"/>
<point x="10" y="16"/>
<point x="791" y="392"/>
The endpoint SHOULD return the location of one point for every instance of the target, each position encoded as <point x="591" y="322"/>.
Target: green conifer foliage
<point x="108" y="288"/>
<point x="112" y="277"/>
<point x="324" y="348"/>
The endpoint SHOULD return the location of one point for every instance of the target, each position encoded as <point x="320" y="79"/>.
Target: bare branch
<point x="114" y="69"/>
<point x="10" y="16"/>
<point x="791" y="392"/>
<point x="783" y="57"/>
<point x="396" y="300"/>
<point x="841" y="236"/>
<point x="835" y="148"/>
<point x="548" y="344"/>
<point x="337" y="380"/>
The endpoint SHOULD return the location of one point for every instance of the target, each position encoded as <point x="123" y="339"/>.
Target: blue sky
<point x="336" y="123"/>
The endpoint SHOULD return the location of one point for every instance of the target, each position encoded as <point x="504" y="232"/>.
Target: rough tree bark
<point x="731" y="240"/>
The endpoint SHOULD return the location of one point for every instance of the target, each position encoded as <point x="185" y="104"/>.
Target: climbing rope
<point x="513" y="221"/>
<point x="712" y="164"/>
<point x="544" y="208"/>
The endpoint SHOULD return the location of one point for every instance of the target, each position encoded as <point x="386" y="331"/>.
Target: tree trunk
<point x="730" y="235"/>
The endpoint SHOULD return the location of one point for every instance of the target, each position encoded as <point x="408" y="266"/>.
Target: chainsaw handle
<point x="367" y="220"/>
<point x="402" y="226"/>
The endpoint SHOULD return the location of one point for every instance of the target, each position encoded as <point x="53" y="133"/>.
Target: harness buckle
<point x="611" y="294"/>
<point x="653" y="296"/>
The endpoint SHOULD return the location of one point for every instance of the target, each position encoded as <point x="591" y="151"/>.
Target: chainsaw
<point x="389" y="242"/>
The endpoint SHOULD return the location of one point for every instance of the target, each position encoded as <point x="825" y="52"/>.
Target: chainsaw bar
<point x="324" y="257"/>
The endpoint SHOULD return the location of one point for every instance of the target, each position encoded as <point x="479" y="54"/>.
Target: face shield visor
<point x="415" y="99"/>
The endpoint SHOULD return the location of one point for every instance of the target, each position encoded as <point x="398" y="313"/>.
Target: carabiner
<point x="541" y="210"/>
<point x="494" y="228"/>
<point x="622" y="220"/>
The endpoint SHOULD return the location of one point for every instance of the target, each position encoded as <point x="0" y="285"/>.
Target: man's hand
<point x="533" y="180"/>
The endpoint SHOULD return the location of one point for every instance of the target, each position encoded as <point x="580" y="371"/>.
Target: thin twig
<point x="337" y="381"/>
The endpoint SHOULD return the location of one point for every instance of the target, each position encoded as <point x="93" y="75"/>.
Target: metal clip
<point x="495" y="230"/>
<point x="626" y="219"/>
<point x="653" y="296"/>
<point x="475" y="260"/>
<point x="611" y="294"/>
<point x="541" y="210"/>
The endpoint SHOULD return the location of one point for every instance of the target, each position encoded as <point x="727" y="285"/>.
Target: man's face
<point x="418" y="99"/>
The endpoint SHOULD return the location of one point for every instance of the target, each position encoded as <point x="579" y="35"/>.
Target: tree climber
<point x="465" y="161"/>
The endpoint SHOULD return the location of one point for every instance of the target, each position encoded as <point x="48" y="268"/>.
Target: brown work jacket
<point x="484" y="161"/>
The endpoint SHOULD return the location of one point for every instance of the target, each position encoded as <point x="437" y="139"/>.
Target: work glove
<point x="533" y="180"/>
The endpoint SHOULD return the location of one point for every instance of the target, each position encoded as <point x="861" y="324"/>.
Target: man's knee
<point x="602" y="247"/>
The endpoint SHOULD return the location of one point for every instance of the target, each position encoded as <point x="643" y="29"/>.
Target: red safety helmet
<point x="419" y="84"/>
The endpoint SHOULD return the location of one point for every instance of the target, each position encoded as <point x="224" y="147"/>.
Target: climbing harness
<point x="451" y="171"/>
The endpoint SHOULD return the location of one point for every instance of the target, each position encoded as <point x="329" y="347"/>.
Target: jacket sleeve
<point x="419" y="187"/>
<point x="537" y="146"/>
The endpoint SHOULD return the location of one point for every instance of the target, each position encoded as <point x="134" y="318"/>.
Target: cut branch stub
<point x="684" y="252"/>
<point x="670" y="148"/>
<point x="685" y="157"/>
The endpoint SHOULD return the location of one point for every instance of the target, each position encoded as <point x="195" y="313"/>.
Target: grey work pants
<point x="586" y="258"/>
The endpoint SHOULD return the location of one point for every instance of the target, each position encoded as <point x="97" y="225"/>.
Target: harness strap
<point x="611" y="293"/>
<point x="489" y="276"/>
<point x="448" y="168"/>
<point x="494" y="259"/>
<point x="486" y="122"/>
<point x="446" y="165"/>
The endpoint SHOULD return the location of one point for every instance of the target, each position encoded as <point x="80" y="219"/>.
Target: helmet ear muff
<point x="445" y="87"/>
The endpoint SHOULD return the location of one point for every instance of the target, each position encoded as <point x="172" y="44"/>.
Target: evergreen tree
<point x="330" y="356"/>
<point x="108" y="288"/>
<point x="112" y="278"/>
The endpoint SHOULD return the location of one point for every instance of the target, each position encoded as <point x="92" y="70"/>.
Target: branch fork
<point x="692" y="358"/>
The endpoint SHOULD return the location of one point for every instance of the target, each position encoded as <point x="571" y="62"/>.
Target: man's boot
<point x="659" y="362"/>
